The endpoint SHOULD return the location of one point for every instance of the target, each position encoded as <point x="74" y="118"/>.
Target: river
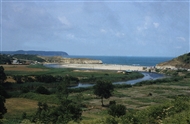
<point x="147" y="76"/>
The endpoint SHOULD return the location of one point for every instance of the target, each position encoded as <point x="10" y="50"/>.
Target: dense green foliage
<point x="42" y="90"/>
<point x="3" y="76"/>
<point x="174" y="112"/>
<point x="5" y="59"/>
<point x="3" y="93"/>
<point x="3" y="109"/>
<point x="185" y="58"/>
<point x="28" y="57"/>
<point x="64" y="112"/>
<point x="103" y="89"/>
<point x="22" y="58"/>
<point x="117" y="110"/>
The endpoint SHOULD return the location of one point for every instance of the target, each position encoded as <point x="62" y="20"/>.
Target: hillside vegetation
<point x="33" y="52"/>
<point x="21" y="59"/>
<point x="34" y="59"/>
<point x="182" y="61"/>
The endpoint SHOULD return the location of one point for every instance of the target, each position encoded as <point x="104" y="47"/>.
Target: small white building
<point x="15" y="61"/>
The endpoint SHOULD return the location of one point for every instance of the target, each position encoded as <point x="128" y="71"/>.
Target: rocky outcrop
<point x="80" y="61"/>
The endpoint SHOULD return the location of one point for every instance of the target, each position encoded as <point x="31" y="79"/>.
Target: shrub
<point x="45" y="78"/>
<point x="42" y="90"/>
<point x="112" y="102"/>
<point x="25" y="90"/>
<point x="117" y="110"/>
<point x="18" y="79"/>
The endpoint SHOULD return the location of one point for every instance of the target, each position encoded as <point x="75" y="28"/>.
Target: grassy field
<point x="89" y="76"/>
<point x="138" y="98"/>
<point x="134" y="98"/>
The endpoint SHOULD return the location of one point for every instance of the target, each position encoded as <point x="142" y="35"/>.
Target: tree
<point x="3" y="76"/>
<point x="62" y="113"/>
<point x="18" y="79"/>
<point x="42" y="90"/>
<point x="62" y="89"/>
<point x="3" y="92"/>
<point x="103" y="89"/>
<point x="3" y="109"/>
<point x="117" y="110"/>
<point x="45" y="78"/>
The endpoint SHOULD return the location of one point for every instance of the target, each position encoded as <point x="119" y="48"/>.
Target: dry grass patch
<point x="16" y="106"/>
<point x="21" y="68"/>
<point x="10" y="79"/>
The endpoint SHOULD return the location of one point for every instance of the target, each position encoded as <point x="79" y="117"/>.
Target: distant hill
<point x="182" y="61"/>
<point x="41" y="53"/>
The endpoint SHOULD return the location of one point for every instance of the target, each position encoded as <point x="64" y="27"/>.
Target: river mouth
<point x="147" y="76"/>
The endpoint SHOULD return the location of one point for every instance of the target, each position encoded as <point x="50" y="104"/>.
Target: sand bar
<point x="104" y="67"/>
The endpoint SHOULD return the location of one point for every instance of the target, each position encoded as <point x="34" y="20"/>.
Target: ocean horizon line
<point x="124" y="56"/>
<point x="126" y="60"/>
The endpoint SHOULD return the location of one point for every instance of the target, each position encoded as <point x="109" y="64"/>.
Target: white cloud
<point x="103" y="31"/>
<point x="156" y="25"/>
<point x="64" y="21"/>
<point x="146" y="24"/>
<point x="181" y="38"/>
<point x="70" y="36"/>
<point x="119" y="34"/>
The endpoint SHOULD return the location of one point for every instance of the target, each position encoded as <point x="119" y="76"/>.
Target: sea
<point x="126" y="60"/>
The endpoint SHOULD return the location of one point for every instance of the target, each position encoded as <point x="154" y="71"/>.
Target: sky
<point x="100" y="28"/>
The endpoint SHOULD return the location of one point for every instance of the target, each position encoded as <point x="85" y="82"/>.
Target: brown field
<point x="17" y="106"/>
<point x="21" y="68"/>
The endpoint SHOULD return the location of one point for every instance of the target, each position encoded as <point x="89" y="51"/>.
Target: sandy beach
<point x="104" y="67"/>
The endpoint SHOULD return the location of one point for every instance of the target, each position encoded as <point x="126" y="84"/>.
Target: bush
<point x="42" y="90"/>
<point x="45" y="78"/>
<point x="25" y="90"/>
<point x="112" y="102"/>
<point x="18" y="79"/>
<point x="3" y="92"/>
<point x="117" y="110"/>
<point x="123" y="86"/>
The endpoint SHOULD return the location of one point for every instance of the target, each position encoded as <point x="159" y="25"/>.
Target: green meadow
<point x="146" y="102"/>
